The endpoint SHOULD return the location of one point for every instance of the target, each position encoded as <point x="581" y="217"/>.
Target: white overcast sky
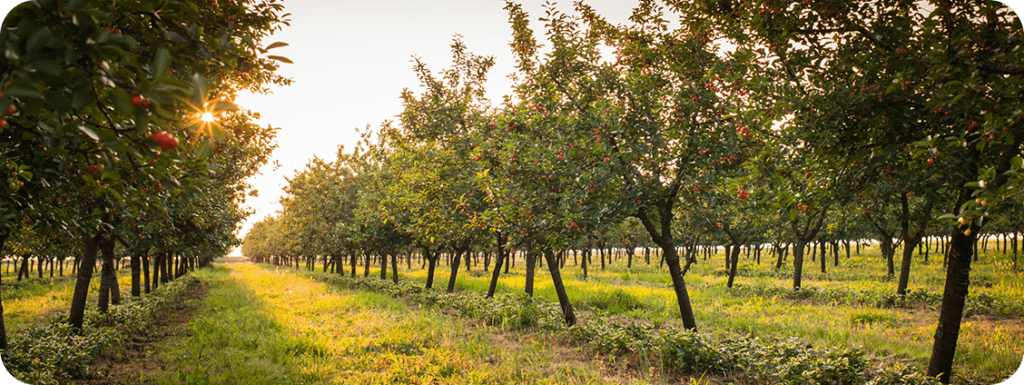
<point x="352" y="60"/>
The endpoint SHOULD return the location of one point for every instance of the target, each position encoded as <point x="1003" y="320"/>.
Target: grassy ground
<point x="259" y="324"/>
<point x="262" y="325"/>
<point x="34" y="300"/>
<point x="990" y="349"/>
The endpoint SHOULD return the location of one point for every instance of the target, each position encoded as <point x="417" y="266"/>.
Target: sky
<point x="353" y="59"/>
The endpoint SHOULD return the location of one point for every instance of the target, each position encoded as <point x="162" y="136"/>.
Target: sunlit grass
<point x="644" y="294"/>
<point x="34" y="300"/>
<point x="262" y="325"/>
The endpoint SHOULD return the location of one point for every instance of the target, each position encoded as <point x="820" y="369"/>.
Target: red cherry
<point x="931" y="161"/>
<point x="167" y="142"/>
<point x="138" y="101"/>
<point x="10" y="110"/>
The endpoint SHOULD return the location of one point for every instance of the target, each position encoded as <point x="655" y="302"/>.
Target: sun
<point x="207" y="117"/>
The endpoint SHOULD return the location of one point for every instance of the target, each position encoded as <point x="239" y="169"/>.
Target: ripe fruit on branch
<point x="165" y="140"/>
<point x="140" y="102"/>
<point x="743" y="194"/>
<point x="10" y="110"/>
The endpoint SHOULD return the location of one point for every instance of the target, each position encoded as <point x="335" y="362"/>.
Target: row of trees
<point x="119" y="135"/>
<point x="752" y="122"/>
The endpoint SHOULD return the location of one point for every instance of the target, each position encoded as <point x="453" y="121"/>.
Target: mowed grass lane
<point x="264" y="325"/>
<point x="990" y="345"/>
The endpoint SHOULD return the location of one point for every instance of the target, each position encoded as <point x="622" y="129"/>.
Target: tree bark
<point x="662" y="235"/>
<point x="910" y="241"/>
<point x="110" y="292"/>
<point x="23" y="271"/>
<point x="456" y="260"/>
<point x="798" y="263"/>
<point x="431" y="265"/>
<point x="136" y="266"/>
<point x="531" y="268"/>
<point x="145" y="272"/>
<point x="556" y="278"/>
<point x="734" y="260"/>
<point x="394" y="267"/>
<point x="90" y="245"/>
<point x="954" y="295"/>
<point x="499" y="259"/>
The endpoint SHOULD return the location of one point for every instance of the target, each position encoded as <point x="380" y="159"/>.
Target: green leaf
<point x="121" y="100"/>
<point x="204" y="150"/>
<point x="162" y="61"/>
<point x="89" y="132"/>
<point x="20" y="89"/>
<point x="82" y="97"/>
<point x="109" y="174"/>
<point x="199" y="85"/>
<point x="141" y="122"/>
<point x="224" y="106"/>
<point x="174" y="36"/>
<point x="48" y="66"/>
<point x="38" y="39"/>
<point x="58" y="101"/>
<point x="280" y="59"/>
<point x="276" y="44"/>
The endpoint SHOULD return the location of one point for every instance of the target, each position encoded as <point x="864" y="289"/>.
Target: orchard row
<point x="749" y="123"/>
<point x="103" y="151"/>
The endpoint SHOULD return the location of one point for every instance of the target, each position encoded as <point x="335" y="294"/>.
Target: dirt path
<point x="123" y="364"/>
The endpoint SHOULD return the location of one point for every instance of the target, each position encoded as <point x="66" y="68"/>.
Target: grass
<point x="32" y="300"/>
<point x="848" y="308"/>
<point x="261" y="325"/>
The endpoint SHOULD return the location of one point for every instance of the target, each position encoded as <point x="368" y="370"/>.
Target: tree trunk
<point x="499" y="259"/>
<point x="824" y="255"/>
<point x="798" y="263"/>
<point x="456" y="260"/>
<point x="394" y="267"/>
<point x="110" y="292"/>
<point x="432" y="263"/>
<point x="158" y="260"/>
<point x="164" y="262"/>
<point x="24" y="266"/>
<point x="383" y="266"/>
<point x="531" y="268"/>
<point x="145" y="272"/>
<point x="136" y="267"/>
<point x="953" y="297"/>
<point x="583" y="263"/>
<point x="734" y="260"/>
<point x="76" y="315"/>
<point x="563" y="297"/>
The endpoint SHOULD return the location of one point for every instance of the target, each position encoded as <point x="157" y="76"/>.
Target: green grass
<point x="260" y="325"/>
<point x="32" y="300"/>
<point x="847" y="306"/>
